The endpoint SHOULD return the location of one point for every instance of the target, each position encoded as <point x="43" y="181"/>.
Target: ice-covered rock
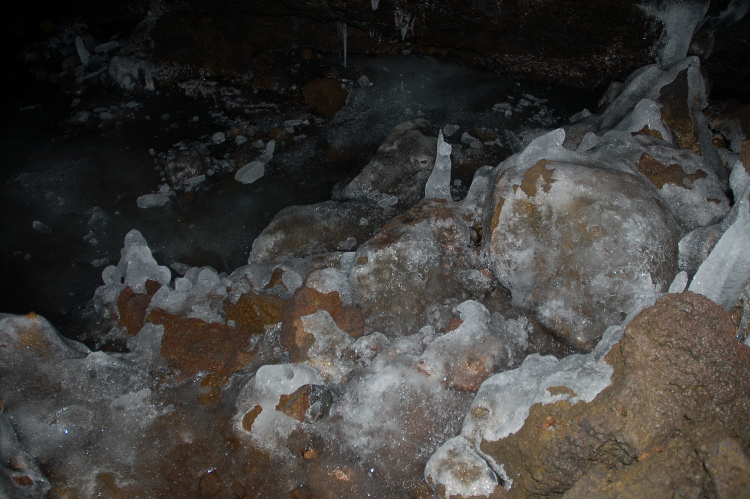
<point x="686" y="183"/>
<point x="250" y="172"/>
<point x="681" y="20"/>
<point x="400" y="167"/>
<point x="83" y="54"/>
<point x="438" y="185"/>
<point x="130" y="73"/>
<point x="635" y="411"/>
<point x="467" y="355"/>
<point x="581" y="245"/>
<point x="256" y="169"/>
<point x="260" y="417"/>
<point x="414" y="262"/>
<point x="393" y="417"/>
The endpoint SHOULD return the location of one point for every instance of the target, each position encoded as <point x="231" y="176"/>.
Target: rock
<point x="392" y="416"/>
<point x="725" y="273"/>
<point x="580" y="245"/>
<point x="319" y="329"/>
<point x="132" y="306"/>
<point x="267" y="420"/>
<point x="187" y="159"/>
<point x="415" y="261"/>
<point x="326" y="96"/>
<point x="130" y="73"/>
<point x="302" y="231"/>
<point x="193" y="345"/>
<point x="399" y="169"/>
<point x="658" y="408"/>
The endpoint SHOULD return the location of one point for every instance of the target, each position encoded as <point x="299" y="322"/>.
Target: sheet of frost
<point x="726" y="271"/>
<point x="271" y="427"/>
<point x="502" y="404"/>
<point x="439" y="183"/>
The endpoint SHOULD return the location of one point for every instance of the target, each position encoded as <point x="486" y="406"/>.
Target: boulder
<point x="678" y="394"/>
<point x="581" y="245"/>
<point x="302" y="231"/>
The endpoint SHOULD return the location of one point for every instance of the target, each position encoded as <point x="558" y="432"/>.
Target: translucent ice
<point x="680" y="20"/>
<point x="438" y="184"/>
<point x="726" y="271"/>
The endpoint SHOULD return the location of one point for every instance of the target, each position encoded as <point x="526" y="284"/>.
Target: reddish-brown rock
<point x="193" y="345"/>
<point x="681" y="384"/>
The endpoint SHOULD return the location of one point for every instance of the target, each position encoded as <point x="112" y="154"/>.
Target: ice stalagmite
<point x="439" y="183"/>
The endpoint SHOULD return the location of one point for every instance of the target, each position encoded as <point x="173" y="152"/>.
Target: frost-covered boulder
<point x="261" y="416"/>
<point x="393" y="416"/>
<point x="400" y="167"/>
<point x="420" y="258"/>
<point x="320" y="325"/>
<point x="482" y="344"/>
<point x="581" y="245"/>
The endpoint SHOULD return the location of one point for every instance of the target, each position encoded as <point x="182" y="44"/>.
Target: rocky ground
<point x="567" y="314"/>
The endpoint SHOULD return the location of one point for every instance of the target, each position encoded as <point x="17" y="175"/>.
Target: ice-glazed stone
<point x="581" y="245"/>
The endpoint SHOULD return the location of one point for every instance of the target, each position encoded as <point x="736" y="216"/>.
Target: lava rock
<point x="679" y="388"/>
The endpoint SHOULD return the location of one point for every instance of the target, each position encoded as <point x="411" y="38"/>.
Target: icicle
<point x="341" y="25"/>
<point x="404" y="22"/>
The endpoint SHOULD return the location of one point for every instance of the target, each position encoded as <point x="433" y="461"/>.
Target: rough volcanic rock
<point x="581" y="245"/>
<point x="679" y="387"/>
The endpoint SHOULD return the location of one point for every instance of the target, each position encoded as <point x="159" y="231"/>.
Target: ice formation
<point x="256" y="169"/>
<point x="438" y="184"/>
